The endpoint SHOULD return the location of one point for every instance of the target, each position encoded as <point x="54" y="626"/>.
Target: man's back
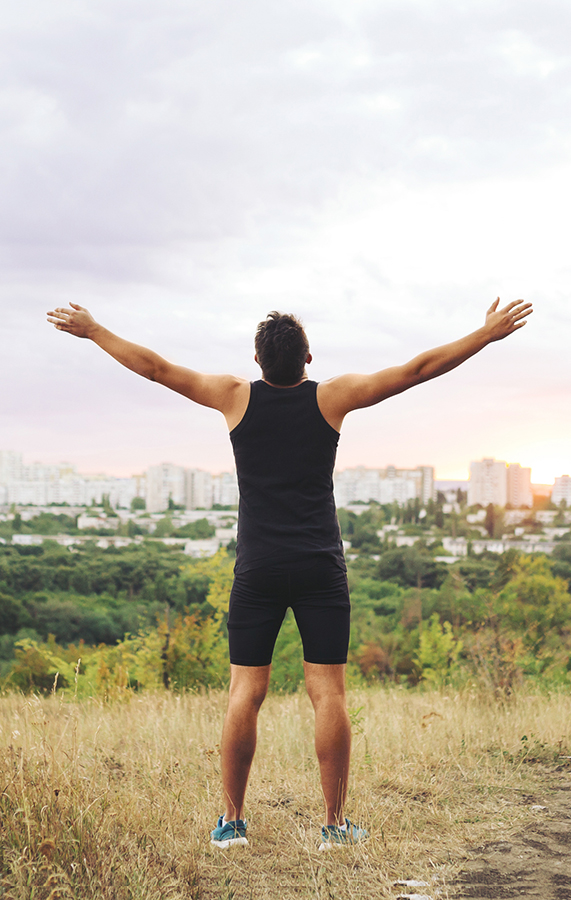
<point x="285" y="455"/>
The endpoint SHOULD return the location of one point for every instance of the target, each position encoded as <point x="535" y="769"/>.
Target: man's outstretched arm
<point x="216" y="391"/>
<point x="340" y="395"/>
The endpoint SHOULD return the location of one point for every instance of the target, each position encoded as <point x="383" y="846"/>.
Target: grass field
<point x="117" y="801"/>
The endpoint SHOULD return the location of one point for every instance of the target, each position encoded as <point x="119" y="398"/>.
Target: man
<point x="284" y="431"/>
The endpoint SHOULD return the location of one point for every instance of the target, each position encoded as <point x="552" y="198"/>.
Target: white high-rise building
<point x="119" y="491"/>
<point x="399" y="485"/>
<point x="426" y="483"/>
<point x="488" y="482"/>
<point x="383" y="485"/>
<point x="561" y="490"/>
<point x="203" y="489"/>
<point x="357" y="486"/>
<point x="198" y="489"/>
<point x="73" y="490"/>
<point x="11" y="467"/>
<point x="165" y="482"/>
<point x="519" y="486"/>
<point x="225" y="489"/>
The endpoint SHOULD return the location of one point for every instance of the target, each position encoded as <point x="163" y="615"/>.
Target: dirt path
<point x="534" y="864"/>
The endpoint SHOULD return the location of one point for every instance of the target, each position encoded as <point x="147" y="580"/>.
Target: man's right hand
<point x="77" y="320"/>
<point x="501" y="322"/>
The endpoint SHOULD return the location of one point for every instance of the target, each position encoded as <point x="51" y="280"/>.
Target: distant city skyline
<point x="30" y="460"/>
<point x="498" y="482"/>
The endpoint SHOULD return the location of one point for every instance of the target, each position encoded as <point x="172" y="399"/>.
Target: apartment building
<point x="193" y="488"/>
<point x="519" y="486"/>
<point x="383" y="485"/>
<point x="38" y="484"/>
<point x="495" y="481"/>
<point x="562" y="490"/>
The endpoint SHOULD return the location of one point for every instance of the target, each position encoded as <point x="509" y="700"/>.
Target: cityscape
<point x="37" y="484"/>
<point x="196" y="509"/>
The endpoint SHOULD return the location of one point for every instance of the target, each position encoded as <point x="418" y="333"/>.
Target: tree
<point x="164" y="527"/>
<point x="490" y="520"/>
<point x="438" y="652"/>
<point x="534" y="602"/>
<point x="409" y="566"/>
<point x="346" y="523"/>
<point x="196" y="530"/>
<point x="107" y="508"/>
<point x="13" y="615"/>
<point x="562" y="561"/>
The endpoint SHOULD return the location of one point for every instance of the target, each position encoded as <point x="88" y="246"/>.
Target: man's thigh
<point x="258" y="604"/>
<point x="322" y="609"/>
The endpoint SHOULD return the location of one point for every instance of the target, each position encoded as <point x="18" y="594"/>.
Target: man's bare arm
<point x="222" y="392"/>
<point x="345" y="393"/>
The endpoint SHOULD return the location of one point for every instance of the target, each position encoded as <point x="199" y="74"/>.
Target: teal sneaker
<point x="334" y="836"/>
<point x="231" y="834"/>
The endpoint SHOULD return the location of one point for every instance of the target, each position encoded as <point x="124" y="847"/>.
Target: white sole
<point x="331" y="845"/>
<point x="231" y="842"/>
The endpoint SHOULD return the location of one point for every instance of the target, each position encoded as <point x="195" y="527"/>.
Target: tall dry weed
<point x="116" y="801"/>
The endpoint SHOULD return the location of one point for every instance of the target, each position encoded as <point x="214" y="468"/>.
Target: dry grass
<point x="117" y="801"/>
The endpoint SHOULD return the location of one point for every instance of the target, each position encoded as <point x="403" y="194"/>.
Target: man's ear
<point x="256" y="358"/>
<point x="309" y="358"/>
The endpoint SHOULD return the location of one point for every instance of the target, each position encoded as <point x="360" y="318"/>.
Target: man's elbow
<point x="157" y="371"/>
<point x="414" y="373"/>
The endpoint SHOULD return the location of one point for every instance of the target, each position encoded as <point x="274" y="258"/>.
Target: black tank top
<point x="285" y="454"/>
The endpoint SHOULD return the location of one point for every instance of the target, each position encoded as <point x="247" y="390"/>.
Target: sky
<point x="382" y="169"/>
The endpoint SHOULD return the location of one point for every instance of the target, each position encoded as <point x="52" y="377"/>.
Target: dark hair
<point x="282" y="348"/>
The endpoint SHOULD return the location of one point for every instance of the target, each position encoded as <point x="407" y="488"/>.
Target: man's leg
<point x="248" y="688"/>
<point x="326" y="688"/>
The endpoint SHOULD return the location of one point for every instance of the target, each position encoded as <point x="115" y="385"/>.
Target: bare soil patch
<point x="534" y="864"/>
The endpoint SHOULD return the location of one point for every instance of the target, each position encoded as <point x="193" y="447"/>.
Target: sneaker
<point x="230" y="834"/>
<point x="334" y="836"/>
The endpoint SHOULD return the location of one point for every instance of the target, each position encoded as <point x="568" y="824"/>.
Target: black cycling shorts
<point x="319" y="597"/>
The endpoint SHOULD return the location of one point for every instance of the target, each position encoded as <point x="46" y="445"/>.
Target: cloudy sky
<point x="383" y="169"/>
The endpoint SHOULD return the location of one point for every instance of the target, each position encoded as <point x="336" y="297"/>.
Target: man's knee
<point x="325" y="684"/>
<point x="249" y="685"/>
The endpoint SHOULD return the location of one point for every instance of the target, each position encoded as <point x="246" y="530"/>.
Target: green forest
<point x="103" y="621"/>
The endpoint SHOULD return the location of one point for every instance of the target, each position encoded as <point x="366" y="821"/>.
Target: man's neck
<point x="285" y="386"/>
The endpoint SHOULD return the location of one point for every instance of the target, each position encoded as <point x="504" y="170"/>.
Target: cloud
<point x="184" y="167"/>
<point x="138" y="124"/>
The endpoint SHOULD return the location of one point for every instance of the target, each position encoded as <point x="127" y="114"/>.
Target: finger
<point x="513" y="305"/>
<point x="494" y="305"/>
<point x="522" y="314"/>
<point x="518" y="309"/>
<point x="505" y="311"/>
<point x="60" y="316"/>
<point x="76" y="306"/>
<point x="56" y="321"/>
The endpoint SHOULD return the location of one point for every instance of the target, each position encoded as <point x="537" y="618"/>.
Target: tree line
<point x="147" y="616"/>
